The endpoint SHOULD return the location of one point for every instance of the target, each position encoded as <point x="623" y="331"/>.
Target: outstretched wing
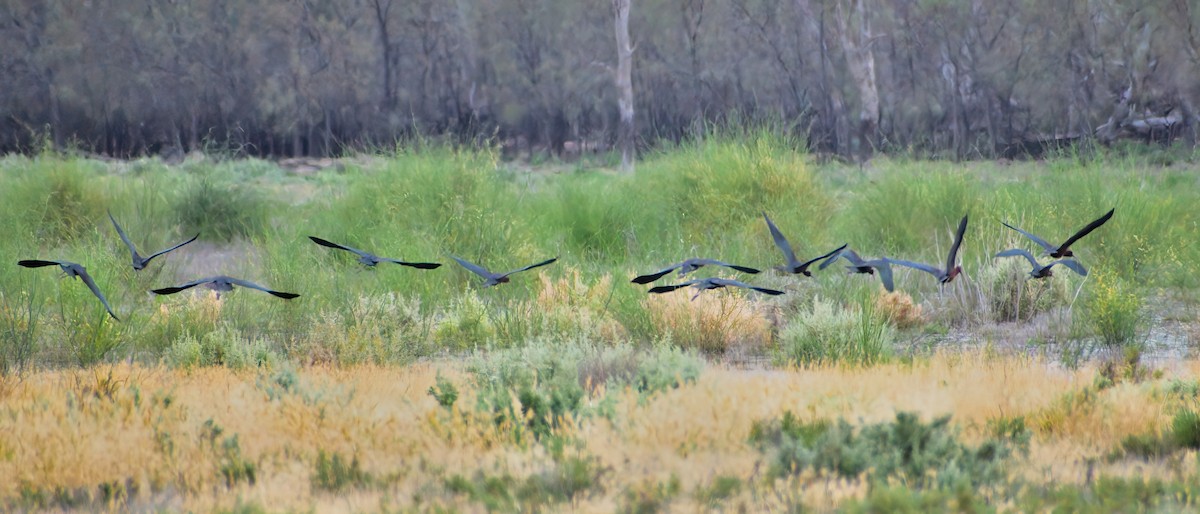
<point x="1073" y="264"/>
<point x="252" y="285"/>
<point x="1041" y="242"/>
<point x="34" y="263"/>
<point x="1022" y="252"/>
<point x="330" y="244"/>
<point x="847" y="254"/>
<point x="781" y="241"/>
<point x="830" y="256"/>
<point x="476" y="269"/>
<point x="738" y="283"/>
<point x="651" y="277"/>
<point x="917" y="265"/>
<point x="1086" y="230"/>
<point x="87" y="279"/>
<point x="121" y="233"/>
<point x="672" y="287"/>
<point x="529" y="267"/>
<point x="952" y="258"/>
<point x="181" y="287"/>
<point x="418" y="265"/>
<point x="714" y="262"/>
<point x="885" y="272"/>
<point x="173" y="248"/>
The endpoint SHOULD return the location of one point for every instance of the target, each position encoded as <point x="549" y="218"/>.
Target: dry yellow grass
<point x="75" y="430"/>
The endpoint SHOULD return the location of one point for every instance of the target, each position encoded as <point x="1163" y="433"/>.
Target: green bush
<point x="828" y="334"/>
<point x="333" y="473"/>
<point x="221" y="209"/>
<point x="1114" y="311"/>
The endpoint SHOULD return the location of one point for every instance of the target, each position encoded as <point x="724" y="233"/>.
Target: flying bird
<point x="370" y="259"/>
<point x="221" y="284"/>
<point x="1064" y="250"/>
<point x="704" y="284"/>
<point x="1040" y="271"/>
<point x="952" y="269"/>
<point x="140" y="262"/>
<point x="689" y="266"/>
<point x="858" y="265"/>
<point x="497" y="278"/>
<point x="73" y="270"/>
<point x="793" y="264"/>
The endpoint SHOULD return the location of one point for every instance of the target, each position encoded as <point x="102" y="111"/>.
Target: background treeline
<point x="957" y="78"/>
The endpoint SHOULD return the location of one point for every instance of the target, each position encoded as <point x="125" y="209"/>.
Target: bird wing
<point x="917" y="265"/>
<point x="531" y="266"/>
<point x="160" y="252"/>
<point x="252" y="285"/>
<point x="831" y="256"/>
<point x="672" y="287"/>
<point x="35" y="263"/>
<point x="885" y="272"/>
<point x="476" y="269"/>
<point x="845" y="253"/>
<point x="121" y="233"/>
<point x="1086" y="230"/>
<point x="181" y="287"/>
<point x="330" y="244"/>
<point x="714" y="262"/>
<point x="651" y="277"/>
<point x="781" y="242"/>
<point x="1041" y="242"/>
<point x="738" y="283"/>
<point x="1073" y="264"/>
<point x="418" y="265"/>
<point x="87" y="279"/>
<point x="1011" y="252"/>
<point x="952" y="258"/>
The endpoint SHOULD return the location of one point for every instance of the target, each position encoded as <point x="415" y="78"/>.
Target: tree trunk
<point x="624" y="81"/>
<point x="385" y="43"/>
<point x="854" y="29"/>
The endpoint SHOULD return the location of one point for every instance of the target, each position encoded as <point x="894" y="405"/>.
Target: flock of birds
<point x="880" y="266"/>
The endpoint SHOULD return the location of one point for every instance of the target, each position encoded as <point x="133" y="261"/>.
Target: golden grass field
<point x="150" y="430"/>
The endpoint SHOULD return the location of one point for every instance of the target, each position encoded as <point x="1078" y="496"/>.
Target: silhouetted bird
<point x="492" y="279"/>
<point x="704" y="284"/>
<point x="947" y="274"/>
<point x="793" y="264"/>
<point x="140" y="262"/>
<point x="73" y="270"/>
<point x="689" y="266"/>
<point x="1040" y="271"/>
<point x="858" y="265"/>
<point x="221" y="284"/>
<point x="371" y="260"/>
<point x="1064" y="250"/>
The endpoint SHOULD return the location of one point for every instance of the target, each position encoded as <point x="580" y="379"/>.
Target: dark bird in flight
<point x="140" y="262"/>
<point x="1040" y="271"/>
<point x="858" y="265"/>
<point x="497" y="278"/>
<point x="1064" y="250"/>
<point x="73" y="270"/>
<point x="793" y="264"/>
<point x="704" y="284"/>
<point x="689" y="266"/>
<point x="370" y="259"/>
<point x="947" y="274"/>
<point x="222" y="284"/>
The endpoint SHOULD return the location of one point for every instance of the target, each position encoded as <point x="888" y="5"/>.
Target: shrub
<point x="712" y="323"/>
<point x="1114" y="311"/>
<point x="1013" y="296"/>
<point x="333" y="473"/>
<point x="567" y="480"/>
<point x="221" y="209"/>
<point x="826" y="334"/>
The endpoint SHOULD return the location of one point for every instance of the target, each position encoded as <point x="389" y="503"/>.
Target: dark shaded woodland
<point x="949" y="78"/>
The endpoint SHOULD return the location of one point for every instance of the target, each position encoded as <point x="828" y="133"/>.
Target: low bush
<point x="858" y="335"/>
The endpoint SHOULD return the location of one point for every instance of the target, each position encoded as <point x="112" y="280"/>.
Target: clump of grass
<point x="922" y="455"/>
<point x="858" y="335"/>
<point x="712" y="323"/>
<point x="1013" y="296"/>
<point x="1183" y="433"/>
<point x="567" y="480"/>
<point x="650" y="496"/>
<point x="222" y="347"/>
<point x="1114" y="310"/>
<point x="232" y="466"/>
<point x="334" y="473"/>
<point x="898" y="308"/>
<point x="221" y="209"/>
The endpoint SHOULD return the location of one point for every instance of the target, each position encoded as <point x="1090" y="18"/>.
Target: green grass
<point x="700" y="199"/>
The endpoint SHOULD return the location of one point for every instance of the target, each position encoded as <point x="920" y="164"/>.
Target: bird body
<point x="370" y="259"/>
<point x="1064" y="250"/>
<point x="704" y="284"/>
<point x="72" y="269"/>
<point x="1040" y="271"/>
<point x="952" y="269"/>
<point x="793" y="266"/>
<point x="490" y="278"/>
<point x="139" y="262"/>
<point x="220" y="284"/>
<point x="858" y="265"/>
<point x="689" y="266"/>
